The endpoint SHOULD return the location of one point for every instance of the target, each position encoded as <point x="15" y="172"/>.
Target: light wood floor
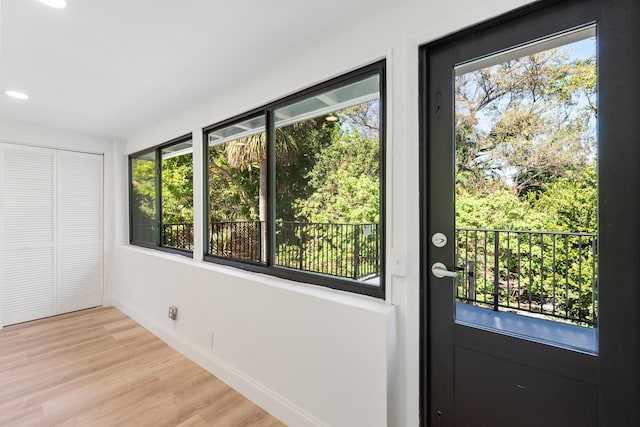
<point x="99" y="368"/>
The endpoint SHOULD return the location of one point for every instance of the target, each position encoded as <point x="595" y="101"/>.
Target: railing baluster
<point x="496" y="270"/>
<point x="566" y="276"/>
<point x="508" y="269"/>
<point x="486" y="267"/>
<point x="580" y="277"/>
<point x="356" y="251"/>
<point x="466" y="264"/>
<point x="471" y="267"/>
<point x="519" y="270"/>
<point x="553" y="299"/>
<point x="476" y="259"/>
<point x="377" y="254"/>
<point x="594" y="283"/>
<point x="471" y="274"/>
<point x="541" y="272"/>
<point x="530" y="289"/>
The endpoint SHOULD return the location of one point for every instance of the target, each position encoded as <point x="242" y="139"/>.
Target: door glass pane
<point x="526" y="187"/>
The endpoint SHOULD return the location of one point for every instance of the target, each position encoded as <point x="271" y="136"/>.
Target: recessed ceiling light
<point x="58" y="4"/>
<point x="16" y="94"/>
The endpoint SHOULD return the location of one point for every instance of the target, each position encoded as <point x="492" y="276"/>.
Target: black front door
<point x="529" y="247"/>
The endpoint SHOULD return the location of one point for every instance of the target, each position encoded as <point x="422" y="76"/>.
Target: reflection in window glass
<point x="526" y="180"/>
<point x="237" y="191"/>
<point x="328" y="182"/>
<point x="144" y="215"/>
<point x="177" y="196"/>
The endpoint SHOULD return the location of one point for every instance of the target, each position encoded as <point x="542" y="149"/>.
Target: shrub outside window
<point x="295" y="188"/>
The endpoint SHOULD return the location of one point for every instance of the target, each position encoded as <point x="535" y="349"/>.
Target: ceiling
<point x="112" y="67"/>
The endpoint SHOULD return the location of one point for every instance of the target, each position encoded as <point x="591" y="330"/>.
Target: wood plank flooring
<point x="99" y="368"/>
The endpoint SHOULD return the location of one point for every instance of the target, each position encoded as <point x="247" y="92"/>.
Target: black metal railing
<point x="237" y="239"/>
<point x="178" y="235"/>
<point x="343" y="250"/>
<point x="550" y="274"/>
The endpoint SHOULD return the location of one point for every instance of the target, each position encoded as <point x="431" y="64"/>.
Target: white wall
<point x="309" y="355"/>
<point x="41" y="136"/>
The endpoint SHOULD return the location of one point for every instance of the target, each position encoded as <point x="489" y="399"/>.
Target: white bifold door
<point x="51" y="243"/>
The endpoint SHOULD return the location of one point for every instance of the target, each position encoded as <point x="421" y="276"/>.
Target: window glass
<point x="177" y="196"/>
<point x="144" y="214"/>
<point x="237" y="190"/>
<point x="328" y="182"/>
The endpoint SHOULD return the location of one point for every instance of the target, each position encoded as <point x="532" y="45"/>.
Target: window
<point x="295" y="188"/>
<point x="237" y="177"/>
<point x="144" y="213"/>
<point x="161" y="191"/>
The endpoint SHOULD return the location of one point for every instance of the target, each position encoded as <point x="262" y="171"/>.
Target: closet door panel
<point x="80" y="247"/>
<point x="27" y="233"/>
<point x="29" y="289"/>
<point x="80" y="271"/>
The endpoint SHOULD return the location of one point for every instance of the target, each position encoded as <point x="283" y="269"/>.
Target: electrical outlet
<point x="173" y="312"/>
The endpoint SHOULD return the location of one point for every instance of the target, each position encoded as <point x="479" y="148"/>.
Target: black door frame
<point x="618" y="361"/>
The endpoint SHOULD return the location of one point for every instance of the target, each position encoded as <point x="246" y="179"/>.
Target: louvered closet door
<point x="27" y="233"/>
<point x="51" y="232"/>
<point x="79" y="231"/>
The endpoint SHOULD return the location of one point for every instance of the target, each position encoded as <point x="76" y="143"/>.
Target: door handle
<point x="440" y="270"/>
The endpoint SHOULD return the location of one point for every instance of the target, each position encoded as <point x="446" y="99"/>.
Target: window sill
<point x="573" y="337"/>
<point x="166" y="249"/>
<point x="371" y="288"/>
<point x="317" y="291"/>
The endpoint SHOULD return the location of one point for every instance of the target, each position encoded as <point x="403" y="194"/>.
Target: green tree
<point x="241" y="166"/>
<point x="345" y="182"/>
<point x="570" y="203"/>
<point x="233" y="190"/>
<point x="524" y="121"/>
<point x="177" y="189"/>
<point x="311" y="137"/>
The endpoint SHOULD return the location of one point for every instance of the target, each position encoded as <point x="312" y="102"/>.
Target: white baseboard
<point x="270" y="401"/>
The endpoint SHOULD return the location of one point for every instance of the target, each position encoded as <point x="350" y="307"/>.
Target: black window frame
<point x="157" y="151"/>
<point x="268" y="266"/>
<point x="221" y="259"/>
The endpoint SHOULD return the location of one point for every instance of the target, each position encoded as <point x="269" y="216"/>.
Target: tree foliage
<point x="177" y="189"/>
<point x="525" y="122"/>
<point x="143" y="187"/>
<point x="233" y="191"/>
<point x="311" y="137"/>
<point x="345" y="184"/>
<point x="237" y="172"/>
